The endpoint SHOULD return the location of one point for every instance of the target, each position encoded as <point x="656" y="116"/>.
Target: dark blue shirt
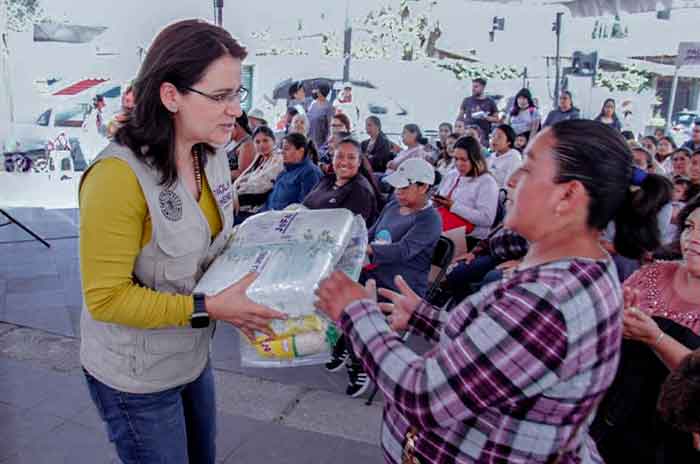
<point x="404" y="245"/>
<point x="293" y="184"/>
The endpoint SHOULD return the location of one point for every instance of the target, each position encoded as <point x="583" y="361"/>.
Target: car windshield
<point x="70" y="117"/>
<point x="43" y="120"/>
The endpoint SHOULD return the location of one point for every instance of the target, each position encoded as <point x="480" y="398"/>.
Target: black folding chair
<point x="442" y="257"/>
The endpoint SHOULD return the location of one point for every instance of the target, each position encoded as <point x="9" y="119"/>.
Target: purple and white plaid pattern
<point x="506" y="245"/>
<point x="516" y="368"/>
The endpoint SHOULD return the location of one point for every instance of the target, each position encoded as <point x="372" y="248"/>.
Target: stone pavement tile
<point x="339" y="415"/>
<point x="18" y="429"/>
<point x="89" y="417"/>
<point x="68" y="398"/>
<point x="232" y="431"/>
<point x="256" y="398"/>
<point x="41" y="283"/>
<point x="44" y="222"/>
<point x="43" y="266"/>
<point x="23" y="386"/>
<point x="54" y="352"/>
<point x="67" y="443"/>
<point x="352" y="452"/>
<point x="277" y="444"/>
<point x="54" y="319"/>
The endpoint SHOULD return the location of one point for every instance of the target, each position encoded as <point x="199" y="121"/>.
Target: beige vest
<point x="146" y="361"/>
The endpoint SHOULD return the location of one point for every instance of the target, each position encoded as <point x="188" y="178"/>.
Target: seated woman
<point x="661" y="325"/>
<point x="516" y="370"/>
<point x="470" y="269"/>
<point x="401" y="244"/>
<point x="378" y="148"/>
<point x="414" y="141"/>
<point x="349" y="186"/>
<point x="240" y="151"/>
<point x="467" y="199"/>
<point x="300" y="174"/>
<point x="253" y="186"/>
<point x="505" y="159"/>
<point x="446" y="162"/>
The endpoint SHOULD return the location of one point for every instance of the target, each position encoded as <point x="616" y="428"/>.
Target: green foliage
<point x="631" y="78"/>
<point x="468" y="71"/>
<point x="21" y="14"/>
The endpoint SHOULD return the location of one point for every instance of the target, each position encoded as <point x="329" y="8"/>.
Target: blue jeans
<point x="175" y="426"/>
<point x="464" y="277"/>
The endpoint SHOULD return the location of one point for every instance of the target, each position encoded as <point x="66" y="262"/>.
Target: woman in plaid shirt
<point x="518" y="368"/>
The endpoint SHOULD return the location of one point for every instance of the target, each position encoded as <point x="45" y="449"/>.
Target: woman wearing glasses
<point x="155" y="208"/>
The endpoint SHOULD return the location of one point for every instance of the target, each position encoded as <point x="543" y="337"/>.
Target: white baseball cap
<point x="411" y="171"/>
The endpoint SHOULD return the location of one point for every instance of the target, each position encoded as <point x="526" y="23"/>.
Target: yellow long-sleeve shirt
<point x="114" y="227"/>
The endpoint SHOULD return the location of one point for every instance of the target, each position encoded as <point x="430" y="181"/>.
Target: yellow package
<point x="294" y="326"/>
<point x="277" y="348"/>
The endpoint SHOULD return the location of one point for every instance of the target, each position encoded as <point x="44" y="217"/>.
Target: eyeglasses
<point x="241" y="94"/>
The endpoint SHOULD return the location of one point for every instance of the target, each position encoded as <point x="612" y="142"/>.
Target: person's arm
<point x="264" y="179"/>
<point x="246" y="156"/>
<point x="418" y="238"/>
<point x="112" y="214"/>
<point x="462" y="110"/>
<point x="548" y="119"/>
<point x="362" y="201"/>
<point x="308" y="181"/>
<point x="505" y="354"/>
<point x="486" y="203"/>
<point x="493" y="113"/>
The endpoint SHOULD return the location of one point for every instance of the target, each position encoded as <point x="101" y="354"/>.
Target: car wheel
<point x="21" y="163"/>
<point x="41" y="165"/>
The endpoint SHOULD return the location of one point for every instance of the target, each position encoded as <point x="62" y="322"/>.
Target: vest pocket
<point x="171" y="341"/>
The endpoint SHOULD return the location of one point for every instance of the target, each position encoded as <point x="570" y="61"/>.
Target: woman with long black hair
<point x="608" y="116"/>
<point x="518" y="369"/>
<point x="524" y="118"/>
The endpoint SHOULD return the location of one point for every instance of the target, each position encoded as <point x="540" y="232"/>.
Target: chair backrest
<point x="443" y="253"/>
<point x="501" y="207"/>
<point x="442" y="258"/>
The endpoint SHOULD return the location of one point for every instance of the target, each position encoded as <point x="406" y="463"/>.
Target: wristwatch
<point x="200" y="316"/>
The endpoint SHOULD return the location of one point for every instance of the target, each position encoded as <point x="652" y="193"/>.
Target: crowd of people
<point x="570" y="236"/>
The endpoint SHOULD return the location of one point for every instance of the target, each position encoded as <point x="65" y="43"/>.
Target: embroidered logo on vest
<point x="170" y="205"/>
<point x="224" y="194"/>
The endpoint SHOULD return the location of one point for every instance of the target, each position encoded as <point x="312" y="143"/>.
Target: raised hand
<point x="402" y="305"/>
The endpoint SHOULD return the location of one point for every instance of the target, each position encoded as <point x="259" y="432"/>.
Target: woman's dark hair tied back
<point x="597" y="156"/>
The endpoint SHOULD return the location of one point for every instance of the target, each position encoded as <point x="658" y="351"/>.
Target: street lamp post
<point x="219" y="12"/>
<point x="556" y="27"/>
<point x="347" y="43"/>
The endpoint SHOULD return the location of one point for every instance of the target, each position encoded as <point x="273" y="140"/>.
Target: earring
<point x="173" y="109"/>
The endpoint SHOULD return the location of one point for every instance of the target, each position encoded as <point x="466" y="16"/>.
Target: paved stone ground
<point x="264" y="415"/>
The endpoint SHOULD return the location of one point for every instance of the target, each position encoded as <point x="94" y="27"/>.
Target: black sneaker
<point x="337" y="361"/>
<point x="359" y="381"/>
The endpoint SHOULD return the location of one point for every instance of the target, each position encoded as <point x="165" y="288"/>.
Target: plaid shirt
<point x="517" y="369"/>
<point x="507" y="244"/>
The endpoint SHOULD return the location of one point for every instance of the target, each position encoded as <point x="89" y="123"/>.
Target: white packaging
<point x="292" y="252"/>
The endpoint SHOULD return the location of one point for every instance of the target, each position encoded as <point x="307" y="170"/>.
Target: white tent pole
<point x="672" y="100"/>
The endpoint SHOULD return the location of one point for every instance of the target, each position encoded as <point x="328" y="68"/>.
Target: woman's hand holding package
<point x="233" y="305"/>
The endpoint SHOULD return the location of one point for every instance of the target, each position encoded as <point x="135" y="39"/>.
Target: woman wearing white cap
<point x="401" y="243"/>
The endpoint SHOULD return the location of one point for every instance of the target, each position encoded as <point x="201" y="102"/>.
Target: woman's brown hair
<point x="180" y="55"/>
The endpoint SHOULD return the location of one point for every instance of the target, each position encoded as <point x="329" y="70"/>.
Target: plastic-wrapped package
<point x="292" y="252"/>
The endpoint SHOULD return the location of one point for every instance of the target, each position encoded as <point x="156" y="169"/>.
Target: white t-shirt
<point x="502" y="166"/>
